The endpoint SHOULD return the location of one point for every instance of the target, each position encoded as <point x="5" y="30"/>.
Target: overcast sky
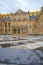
<point x="7" y="6"/>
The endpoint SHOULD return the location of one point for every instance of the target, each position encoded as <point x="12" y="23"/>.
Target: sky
<point x="8" y="6"/>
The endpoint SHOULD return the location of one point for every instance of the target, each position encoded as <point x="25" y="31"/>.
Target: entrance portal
<point x="20" y="32"/>
<point x="16" y="31"/>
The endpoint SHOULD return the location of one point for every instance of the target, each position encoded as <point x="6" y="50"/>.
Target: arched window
<point x="9" y="24"/>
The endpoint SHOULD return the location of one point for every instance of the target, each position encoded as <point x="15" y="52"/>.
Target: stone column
<point x="7" y="28"/>
<point x="17" y="32"/>
<point x="26" y="29"/>
<point x="11" y="29"/>
<point x="21" y="32"/>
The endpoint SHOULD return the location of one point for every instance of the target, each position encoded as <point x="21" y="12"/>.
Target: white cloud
<point x="7" y="6"/>
<point x="24" y="4"/>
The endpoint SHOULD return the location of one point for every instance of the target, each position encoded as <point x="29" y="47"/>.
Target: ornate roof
<point x="19" y="11"/>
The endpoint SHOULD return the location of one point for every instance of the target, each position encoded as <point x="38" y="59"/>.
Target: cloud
<point x="7" y="6"/>
<point x="24" y="4"/>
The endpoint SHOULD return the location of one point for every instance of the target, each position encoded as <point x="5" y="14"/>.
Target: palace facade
<point x="22" y="23"/>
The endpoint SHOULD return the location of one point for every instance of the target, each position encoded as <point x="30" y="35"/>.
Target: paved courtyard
<point x="25" y="51"/>
<point x="29" y="42"/>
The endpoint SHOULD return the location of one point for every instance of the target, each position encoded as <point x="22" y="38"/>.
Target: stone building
<point x="22" y="23"/>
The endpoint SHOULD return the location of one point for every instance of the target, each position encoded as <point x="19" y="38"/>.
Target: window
<point x="18" y="31"/>
<point x="6" y="30"/>
<point x="14" y="31"/>
<point x="9" y="24"/>
<point x="9" y="30"/>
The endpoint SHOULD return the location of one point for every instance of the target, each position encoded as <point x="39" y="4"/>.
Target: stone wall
<point x="21" y="19"/>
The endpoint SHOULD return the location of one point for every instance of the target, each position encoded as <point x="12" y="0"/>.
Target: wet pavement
<point x="28" y="51"/>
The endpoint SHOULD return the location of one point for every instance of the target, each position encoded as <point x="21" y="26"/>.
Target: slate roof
<point x="6" y="18"/>
<point x="33" y="17"/>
